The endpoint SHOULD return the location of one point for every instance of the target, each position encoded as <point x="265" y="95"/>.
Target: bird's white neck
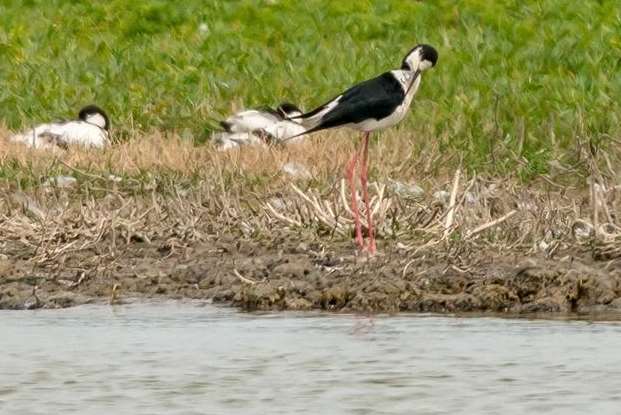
<point x="407" y="81"/>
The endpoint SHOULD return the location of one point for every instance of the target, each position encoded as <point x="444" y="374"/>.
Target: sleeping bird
<point x="91" y="129"/>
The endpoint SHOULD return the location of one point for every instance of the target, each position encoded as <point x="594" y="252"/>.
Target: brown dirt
<point x="157" y="218"/>
<point x="284" y="273"/>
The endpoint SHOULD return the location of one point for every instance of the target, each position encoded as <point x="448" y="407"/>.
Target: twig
<point x="82" y="172"/>
<point x="282" y="217"/>
<point x="243" y="279"/>
<point x="488" y="225"/>
<point x="448" y="224"/>
<point x="594" y="204"/>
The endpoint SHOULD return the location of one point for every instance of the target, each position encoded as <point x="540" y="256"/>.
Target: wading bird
<point x="259" y="126"/>
<point x="91" y="129"/>
<point x="251" y="120"/>
<point x="371" y="105"/>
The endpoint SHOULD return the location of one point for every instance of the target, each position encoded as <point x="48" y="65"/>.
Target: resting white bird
<point x="251" y="120"/>
<point x="257" y="127"/>
<point x="91" y="129"/>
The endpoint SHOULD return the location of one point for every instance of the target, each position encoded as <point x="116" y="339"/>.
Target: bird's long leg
<point x="349" y="176"/>
<point x="364" y="181"/>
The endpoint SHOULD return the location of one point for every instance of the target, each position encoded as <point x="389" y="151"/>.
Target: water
<point x="186" y="359"/>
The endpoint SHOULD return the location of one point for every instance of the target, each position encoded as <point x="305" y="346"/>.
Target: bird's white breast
<point x="84" y="134"/>
<point x="60" y="134"/>
<point x="280" y="131"/>
<point x="251" y="120"/>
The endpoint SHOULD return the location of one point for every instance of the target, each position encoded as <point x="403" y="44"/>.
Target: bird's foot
<point x="360" y="242"/>
<point x="371" y="248"/>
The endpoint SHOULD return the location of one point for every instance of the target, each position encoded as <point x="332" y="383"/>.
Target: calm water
<point x="188" y="359"/>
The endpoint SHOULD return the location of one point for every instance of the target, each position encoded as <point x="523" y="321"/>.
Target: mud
<point x="286" y="274"/>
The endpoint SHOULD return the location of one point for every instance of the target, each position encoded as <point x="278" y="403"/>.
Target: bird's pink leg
<point x="349" y="176"/>
<point x="364" y="169"/>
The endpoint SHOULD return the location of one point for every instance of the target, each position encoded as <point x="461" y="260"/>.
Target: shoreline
<point x="287" y="276"/>
<point x="612" y="315"/>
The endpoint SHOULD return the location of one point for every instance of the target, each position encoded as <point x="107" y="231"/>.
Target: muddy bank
<point x="490" y="247"/>
<point x="286" y="274"/>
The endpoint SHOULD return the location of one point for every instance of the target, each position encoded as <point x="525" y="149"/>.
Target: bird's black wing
<point x="376" y="99"/>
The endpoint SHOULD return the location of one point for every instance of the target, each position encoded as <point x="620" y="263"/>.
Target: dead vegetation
<point x="140" y="208"/>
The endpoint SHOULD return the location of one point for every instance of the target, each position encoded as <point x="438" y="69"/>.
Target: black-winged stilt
<point x="259" y="126"/>
<point x="371" y="105"/>
<point x="91" y="129"/>
<point x="259" y="119"/>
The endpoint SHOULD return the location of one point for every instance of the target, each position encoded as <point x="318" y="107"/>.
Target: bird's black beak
<point x="416" y="75"/>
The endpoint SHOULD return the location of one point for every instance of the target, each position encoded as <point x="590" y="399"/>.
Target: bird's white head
<point x="92" y="114"/>
<point x="420" y="58"/>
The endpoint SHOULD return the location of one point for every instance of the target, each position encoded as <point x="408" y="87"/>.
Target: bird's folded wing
<point x="376" y="98"/>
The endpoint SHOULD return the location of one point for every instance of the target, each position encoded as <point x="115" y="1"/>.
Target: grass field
<point x="516" y="85"/>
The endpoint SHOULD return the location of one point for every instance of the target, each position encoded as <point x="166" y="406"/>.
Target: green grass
<point x="515" y="80"/>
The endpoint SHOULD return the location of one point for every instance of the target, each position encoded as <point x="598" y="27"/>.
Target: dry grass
<point x="175" y="193"/>
<point x="395" y="155"/>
